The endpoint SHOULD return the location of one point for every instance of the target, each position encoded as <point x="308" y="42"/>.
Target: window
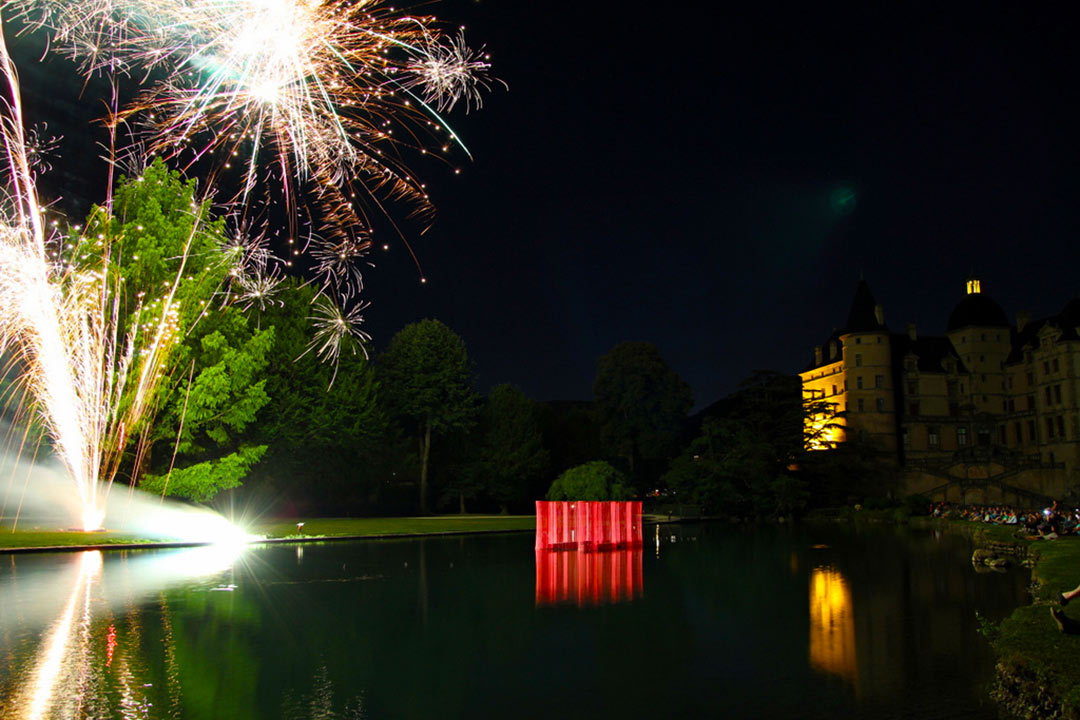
<point x="1057" y="394"/>
<point x="858" y="383"/>
<point x="1004" y="405"/>
<point x="858" y="341"/>
<point x="1031" y="431"/>
<point x="1056" y="366"/>
<point x="1046" y="367"/>
<point x="878" y="339"/>
<point x="1049" y="427"/>
<point x="1061" y="427"/>
<point x="933" y="439"/>
<point x="833" y="389"/>
<point x="1001" y="435"/>
<point x="962" y="390"/>
<point x="1030" y="378"/>
<point x="961" y="436"/>
<point x="906" y="435"/>
<point x="1047" y="389"/>
<point x="983" y="337"/>
<point x="862" y="405"/>
<point x="858" y="360"/>
<point x="1018" y="432"/>
<point x="881" y="405"/>
<point x="982" y="358"/>
<point x="1031" y="402"/>
<point x="913" y="408"/>
<point x="879" y="382"/>
<point x="913" y="387"/>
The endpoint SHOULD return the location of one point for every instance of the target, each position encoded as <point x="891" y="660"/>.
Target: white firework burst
<point x="447" y="71"/>
<point x="338" y="263"/>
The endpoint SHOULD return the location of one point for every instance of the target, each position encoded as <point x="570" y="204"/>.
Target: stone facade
<point x="988" y="412"/>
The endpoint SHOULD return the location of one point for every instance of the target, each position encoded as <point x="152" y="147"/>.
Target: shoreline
<point x="444" y="527"/>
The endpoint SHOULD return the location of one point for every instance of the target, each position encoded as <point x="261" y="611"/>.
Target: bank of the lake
<point x="1038" y="666"/>
<point x="312" y="529"/>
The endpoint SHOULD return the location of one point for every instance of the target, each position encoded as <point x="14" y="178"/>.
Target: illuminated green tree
<point x="596" y="480"/>
<point x="162" y="240"/>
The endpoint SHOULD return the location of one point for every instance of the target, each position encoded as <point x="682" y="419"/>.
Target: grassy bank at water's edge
<point x="313" y="528"/>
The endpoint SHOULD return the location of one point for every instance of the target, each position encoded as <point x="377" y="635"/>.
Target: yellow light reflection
<point x="50" y="663"/>
<point x="832" y="625"/>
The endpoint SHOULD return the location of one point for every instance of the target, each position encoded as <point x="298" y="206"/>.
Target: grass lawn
<point x="61" y="538"/>
<point x="397" y="526"/>
<point x="1028" y="641"/>
<point x="313" y="527"/>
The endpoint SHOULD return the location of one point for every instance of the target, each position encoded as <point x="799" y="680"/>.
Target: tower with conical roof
<point x="853" y="373"/>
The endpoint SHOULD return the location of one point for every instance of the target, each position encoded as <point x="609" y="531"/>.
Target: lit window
<point x="961" y="436"/>
<point x="933" y="439"/>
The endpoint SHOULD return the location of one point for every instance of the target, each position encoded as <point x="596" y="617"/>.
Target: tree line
<point x="248" y="408"/>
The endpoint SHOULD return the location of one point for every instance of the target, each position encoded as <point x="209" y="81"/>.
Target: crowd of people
<point x="1049" y="523"/>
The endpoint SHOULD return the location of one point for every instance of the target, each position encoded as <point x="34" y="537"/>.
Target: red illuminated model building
<point x="588" y="553"/>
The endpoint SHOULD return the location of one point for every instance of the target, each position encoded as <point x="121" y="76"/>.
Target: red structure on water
<point x="588" y="553"/>
<point x="588" y="525"/>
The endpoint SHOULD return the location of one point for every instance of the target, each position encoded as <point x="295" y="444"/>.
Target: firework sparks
<point x="448" y="71"/>
<point x="338" y="263"/>
<point x="337" y="328"/>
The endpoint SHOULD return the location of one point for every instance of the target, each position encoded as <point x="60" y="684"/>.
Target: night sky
<point x="715" y="182"/>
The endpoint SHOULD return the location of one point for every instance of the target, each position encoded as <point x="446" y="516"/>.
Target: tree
<point x="595" y="480"/>
<point x="511" y="445"/>
<point x="743" y="461"/>
<point x="428" y="382"/>
<point x="641" y="402"/>
<point x="164" y="242"/>
<point x="325" y="439"/>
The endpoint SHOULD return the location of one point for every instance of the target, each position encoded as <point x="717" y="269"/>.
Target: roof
<point x="1067" y="321"/>
<point x="863" y="316"/>
<point x="931" y="352"/>
<point x="977" y="310"/>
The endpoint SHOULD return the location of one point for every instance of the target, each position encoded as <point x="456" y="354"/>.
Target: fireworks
<point x="319" y="100"/>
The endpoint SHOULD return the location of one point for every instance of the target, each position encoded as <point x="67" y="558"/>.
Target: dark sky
<point x="714" y="181"/>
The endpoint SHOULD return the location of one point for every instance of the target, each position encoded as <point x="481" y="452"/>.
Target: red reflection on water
<point x="584" y="578"/>
<point x="588" y="525"/>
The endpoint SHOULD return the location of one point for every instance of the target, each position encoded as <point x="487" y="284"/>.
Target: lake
<point x="706" y="620"/>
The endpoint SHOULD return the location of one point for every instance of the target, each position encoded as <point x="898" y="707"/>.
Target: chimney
<point x="911" y="331"/>
<point x="817" y="355"/>
<point x="879" y="314"/>
<point x="1023" y="317"/>
<point x="832" y="350"/>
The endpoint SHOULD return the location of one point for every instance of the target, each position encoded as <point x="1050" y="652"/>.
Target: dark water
<point x="712" y="621"/>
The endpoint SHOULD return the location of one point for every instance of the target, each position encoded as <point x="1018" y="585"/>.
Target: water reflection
<point x="587" y="578"/>
<point x="832" y="624"/>
<point x="87" y="661"/>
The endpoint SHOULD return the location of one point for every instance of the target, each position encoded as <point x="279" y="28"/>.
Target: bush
<point x="592" y="481"/>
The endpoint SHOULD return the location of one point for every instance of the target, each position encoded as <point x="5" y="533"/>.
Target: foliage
<point x="641" y="402"/>
<point x="595" y="480"/>
<point x="164" y="242"/>
<point x="512" y="454"/>
<point x="741" y="462"/>
<point x="329" y="439"/>
<point x="203" y="480"/>
<point x="427" y="379"/>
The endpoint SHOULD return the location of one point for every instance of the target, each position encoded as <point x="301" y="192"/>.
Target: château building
<point x="989" y="412"/>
